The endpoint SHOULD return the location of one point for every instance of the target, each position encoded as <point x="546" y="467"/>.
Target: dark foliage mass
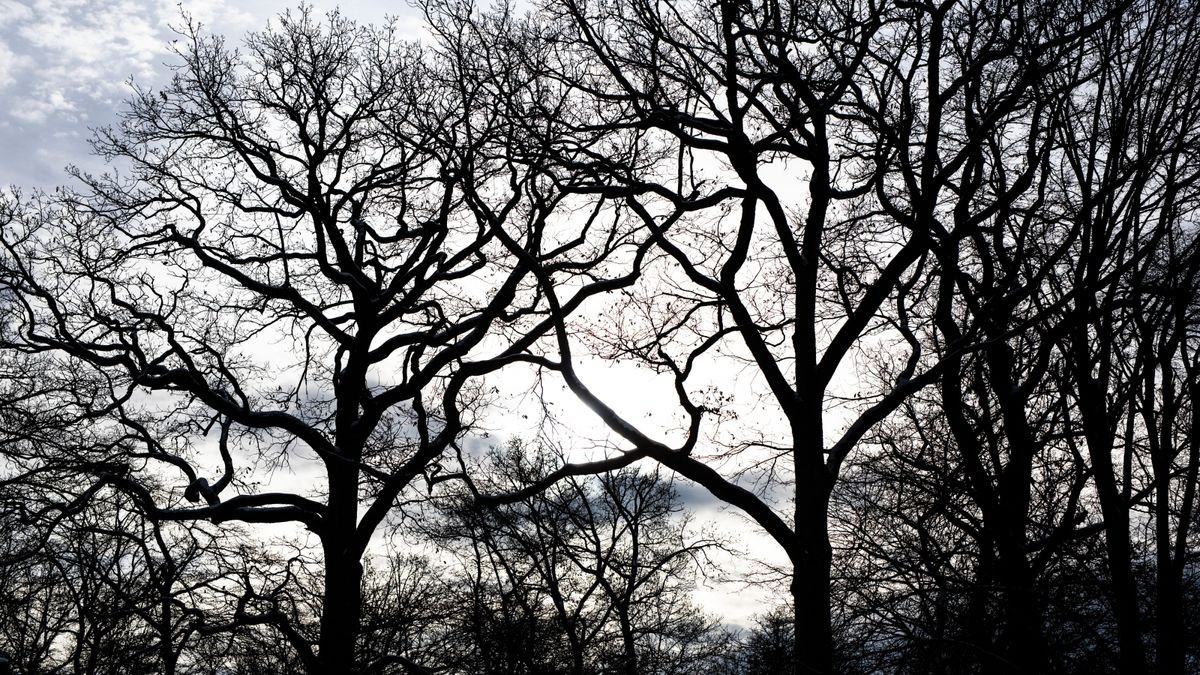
<point x="911" y="290"/>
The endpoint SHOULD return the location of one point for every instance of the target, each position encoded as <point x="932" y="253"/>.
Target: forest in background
<point x="913" y="287"/>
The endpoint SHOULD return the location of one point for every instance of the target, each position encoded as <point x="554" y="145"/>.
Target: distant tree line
<point x="918" y="284"/>
<point x="592" y="577"/>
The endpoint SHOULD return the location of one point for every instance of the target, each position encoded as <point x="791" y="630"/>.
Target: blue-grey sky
<point x="65" y="67"/>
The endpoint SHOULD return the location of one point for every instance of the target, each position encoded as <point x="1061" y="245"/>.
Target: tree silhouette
<point x="314" y="247"/>
<point x="823" y="168"/>
<point x="915" y="283"/>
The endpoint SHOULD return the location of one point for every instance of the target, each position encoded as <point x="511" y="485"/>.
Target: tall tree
<point x="306" y="251"/>
<point x="820" y="162"/>
<point x="924" y="268"/>
<point x="1132" y="177"/>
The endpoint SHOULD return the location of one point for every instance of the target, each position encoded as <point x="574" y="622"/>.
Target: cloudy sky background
<point x="65" y="67"/>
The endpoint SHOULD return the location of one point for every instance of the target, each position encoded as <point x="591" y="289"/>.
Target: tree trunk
<point x="814" y="632"/>
<point x="577" y="660"/>
<point x="1119" y="553"/>
<point x="1169" y="627"/>
<point x="1171" y="649"/>
<point x="341" y="609"/>
<point x="1024" y="642"/>
<point x="1098" y="433"/>
<point x="978" y="632"/>
<point x="811" y="573"/>
<point x="630" y="667"/>
<point x="166" y="646"/>
<point x="1171" y="548"/>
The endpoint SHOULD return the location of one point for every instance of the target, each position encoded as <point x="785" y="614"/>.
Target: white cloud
<point x="65" y="65"/>
<point x="48" y="103"/>
<point x="90" y="46"/>
<point x="61" y="65"/>
<point x="9" y="63"/>
<point x="222" y="16"/>
<point x="12" y="11"/>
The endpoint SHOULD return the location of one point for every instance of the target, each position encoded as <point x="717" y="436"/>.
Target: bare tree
<point x="609" y="560"/>
<point x="35" y="610"/>
<point x="1133" y="177"/>
<point x="102" y="589"/>
<point x="820" y="161"/>
<point x="411" y="616"/>
<point x="316" y="243"/>
<point x="924" y="269"/>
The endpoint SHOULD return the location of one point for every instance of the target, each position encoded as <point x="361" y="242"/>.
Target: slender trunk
<point x="1098" y="433"/>
<point x="628" y="642"/>
<point x="569" y="622"/>
<point x="577" y="663"/>
<point x="1170" y="547"/>
<point x="978" y="631"/>
<point x="1119" y="554"/>
<point x="1004" y="506"/>
<point x="166" y="648"/>
<point x="1172" y="656"/>
<point x="1024" y="641"/>
<point x="1169" y="626"/>
<point x="1172" y="653"/>
<point x="1124" y="590"/>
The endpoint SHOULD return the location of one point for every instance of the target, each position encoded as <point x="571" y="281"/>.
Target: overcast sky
<point x="65" y="67"/>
